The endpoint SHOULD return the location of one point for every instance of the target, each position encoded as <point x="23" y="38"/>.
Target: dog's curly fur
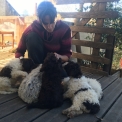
<point x="51" y="93"/>
<point x="84" y="92"/>
<point x="13" y="73"/>
<point x="42" y="87"/>
<point x="31" y="85"/>
<point x="96" y="86"/>
<point x="73" y="69"/>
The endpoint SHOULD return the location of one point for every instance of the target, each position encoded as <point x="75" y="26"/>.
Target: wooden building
<point x="10" y="24"/>
<point x="6" y="9"/>
<point x="11" y="30"/>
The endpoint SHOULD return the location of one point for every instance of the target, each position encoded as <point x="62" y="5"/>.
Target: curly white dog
<point x="30" y="87"/>
<point x="13" y="73"/>
<point x="84" y="92"/>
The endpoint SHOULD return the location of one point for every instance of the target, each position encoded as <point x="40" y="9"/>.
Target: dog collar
<point x="82" y="89"/>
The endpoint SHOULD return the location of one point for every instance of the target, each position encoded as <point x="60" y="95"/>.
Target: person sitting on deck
<point x="46" y="35"/>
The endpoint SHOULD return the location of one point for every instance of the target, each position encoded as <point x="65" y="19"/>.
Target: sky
<point x="21" y="5"/>
<point x="29" y="5"/>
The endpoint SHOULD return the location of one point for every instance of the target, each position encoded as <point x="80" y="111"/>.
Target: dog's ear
<point x="6" y="72"/>
<point x="73" y="69"/>
<point x="27" y="64"/>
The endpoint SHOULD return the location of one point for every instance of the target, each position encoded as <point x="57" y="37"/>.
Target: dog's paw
<point x="24" y="74"/>
<point x="65" y="95"/>
<point x="101" y="96"/>
<point x="71" y="114"/>
<point x="65" y="112"/>
<point x="17" y="84"/>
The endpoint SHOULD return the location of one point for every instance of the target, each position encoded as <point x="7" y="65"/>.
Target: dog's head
<point x="27" y="64"/>
<point x="73" y="69"/>
<point x="51" y="63"/>
<point x="6" y="71"/>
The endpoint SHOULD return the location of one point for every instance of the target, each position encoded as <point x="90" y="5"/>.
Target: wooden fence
<point x="98" y="12"/>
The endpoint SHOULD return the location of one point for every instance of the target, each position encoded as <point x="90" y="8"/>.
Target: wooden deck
<point x="13" y="109"/>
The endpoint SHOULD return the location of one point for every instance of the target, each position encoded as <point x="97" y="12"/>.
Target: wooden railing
<point x="98" y="12"/>
<point x="2" y="33"/>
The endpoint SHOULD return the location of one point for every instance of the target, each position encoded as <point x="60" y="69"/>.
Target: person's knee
<point x="32" y="35"/>
<point x="34" y="39"/>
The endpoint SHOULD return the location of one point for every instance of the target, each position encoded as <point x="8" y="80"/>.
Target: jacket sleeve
<point x="66" y="44"/>
<point x="21" y="49"/>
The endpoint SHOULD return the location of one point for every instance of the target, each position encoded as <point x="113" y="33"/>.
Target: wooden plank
<point x="91" y="58"/>
<point x="109" y="54"/>
<point x="83" y="118"/>
<point x="55" y="114"/>
<point x="93" y="29"/>
<point x="111" y="93"/>
<point x="86" y="73"/>
<point x="95" y="76"/>
<point x="92" y="44"/>
<point x="94" y="71"/>
<point x="97" y="38"/>
<point x="81" y="1"/>
<point x="117" y="74"/>
<point x="73" y="34"/>
<point x="84" y="21"/>
<point x="78" y="47"/>
<point x="9" y="17"/>
<point x="107" y="81"/>
<point x="7" y="97"/>
<point x="6" y="32"/>
<point x="115" y="113"/>
<point x="97" y="14"/>
<point x="6" y="20"/>
<point x="24" y="115"/>
<point x="10" y="107"/>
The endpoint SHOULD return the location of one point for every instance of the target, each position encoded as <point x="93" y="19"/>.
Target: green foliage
<point x="115" y="23"/>
<point x="116" y="58"/>
<point x="110" y="23"/>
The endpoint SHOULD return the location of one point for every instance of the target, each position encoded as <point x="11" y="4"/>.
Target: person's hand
<point x="64" y="58"/>
<point x="57" y="55"/>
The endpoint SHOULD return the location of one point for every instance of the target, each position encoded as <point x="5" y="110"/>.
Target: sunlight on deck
<point x="5" y="56"/>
